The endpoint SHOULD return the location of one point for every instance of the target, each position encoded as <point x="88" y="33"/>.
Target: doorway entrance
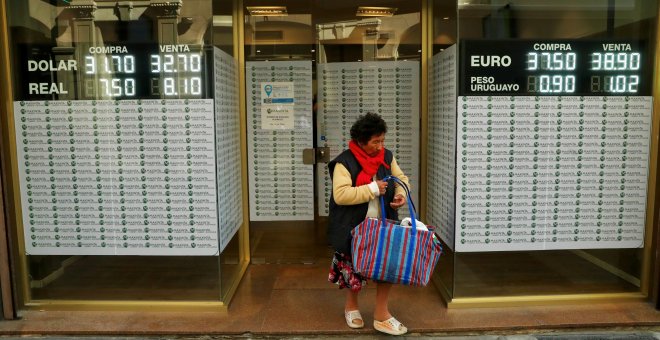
<point x="311" y="69"/>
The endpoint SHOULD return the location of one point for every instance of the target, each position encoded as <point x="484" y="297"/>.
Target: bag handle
<point x="411" y="207"/>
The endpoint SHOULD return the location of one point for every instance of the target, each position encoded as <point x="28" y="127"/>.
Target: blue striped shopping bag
<point x="386" y="251"/>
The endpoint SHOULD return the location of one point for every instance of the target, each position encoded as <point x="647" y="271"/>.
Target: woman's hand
<point x="399" y="200"/>
<point x="382" y="187"/>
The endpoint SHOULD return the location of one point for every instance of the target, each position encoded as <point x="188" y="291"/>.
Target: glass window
<point x="117" y="158"/>
<point x="563" y="271"/>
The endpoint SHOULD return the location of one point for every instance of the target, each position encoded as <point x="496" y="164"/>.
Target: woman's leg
<point x="382" y="312"/>
<point x="383" y="320"/>
<point x="350" y="306"/>
<point x="351" y="300"/>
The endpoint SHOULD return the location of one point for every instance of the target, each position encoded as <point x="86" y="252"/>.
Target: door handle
<point x="316" y="155"/>
<point x="323" y="155"/>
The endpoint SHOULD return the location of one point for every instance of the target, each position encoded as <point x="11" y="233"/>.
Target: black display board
<point x="122" y="71"/>
<point x="557" y="67"/>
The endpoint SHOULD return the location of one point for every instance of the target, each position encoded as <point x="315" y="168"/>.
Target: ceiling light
<point x="364" y="11"/>
<point x="222" y="21"/>
<point x="267" y="10"/>
<point x="446" y="18"/>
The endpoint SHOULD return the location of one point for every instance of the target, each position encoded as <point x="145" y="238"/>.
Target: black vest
<point x="343" y="218"/>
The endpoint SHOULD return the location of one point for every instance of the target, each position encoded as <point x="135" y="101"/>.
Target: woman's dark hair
<point x="368" y="126"/>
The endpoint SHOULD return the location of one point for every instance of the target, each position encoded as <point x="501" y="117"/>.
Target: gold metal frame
<point x="8" y="308"/>
<point x="243" y="233"/>
<point x="239" y="55"/>
<point x="647" y="273"/>
<point x="10" y="170"/>
<point x="543" y="300"/>
<point x="650" y="276"/>
<point x="427" y="50"/>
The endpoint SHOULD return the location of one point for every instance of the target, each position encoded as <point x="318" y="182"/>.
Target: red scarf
<point x="368" y="163"/>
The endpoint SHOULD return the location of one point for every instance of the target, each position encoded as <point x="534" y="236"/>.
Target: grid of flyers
<point x="125" y="177"/>
<point x="227" y="147"/>
<point x="281" y="187"/>
<point x="441" y="162"/>
<point x="551" y="172"/>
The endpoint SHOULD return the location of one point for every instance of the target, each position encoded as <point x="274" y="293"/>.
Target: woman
<point x="356" y="191"/>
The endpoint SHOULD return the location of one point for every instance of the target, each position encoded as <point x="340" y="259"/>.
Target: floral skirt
<point x="341" y="273"/>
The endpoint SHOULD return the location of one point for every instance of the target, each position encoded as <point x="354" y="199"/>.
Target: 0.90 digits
<point x="551" y="84"/>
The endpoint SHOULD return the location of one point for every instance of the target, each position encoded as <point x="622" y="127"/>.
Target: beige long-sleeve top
<point x="345" y="193"/>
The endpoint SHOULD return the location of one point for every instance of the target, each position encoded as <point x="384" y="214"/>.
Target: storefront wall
<point x="132" y="144"/>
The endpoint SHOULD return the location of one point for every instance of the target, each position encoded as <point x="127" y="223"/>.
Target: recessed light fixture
<point x="267" y="11"/>
<point x="445" y="18"/>
<point x="313" y="51"/>
<point x="364" y="11"/>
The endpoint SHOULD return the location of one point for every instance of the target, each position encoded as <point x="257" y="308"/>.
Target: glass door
<point x="311" y="70"/>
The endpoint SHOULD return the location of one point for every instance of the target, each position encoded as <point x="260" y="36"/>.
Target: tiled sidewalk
<point x="296" y="301"/>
